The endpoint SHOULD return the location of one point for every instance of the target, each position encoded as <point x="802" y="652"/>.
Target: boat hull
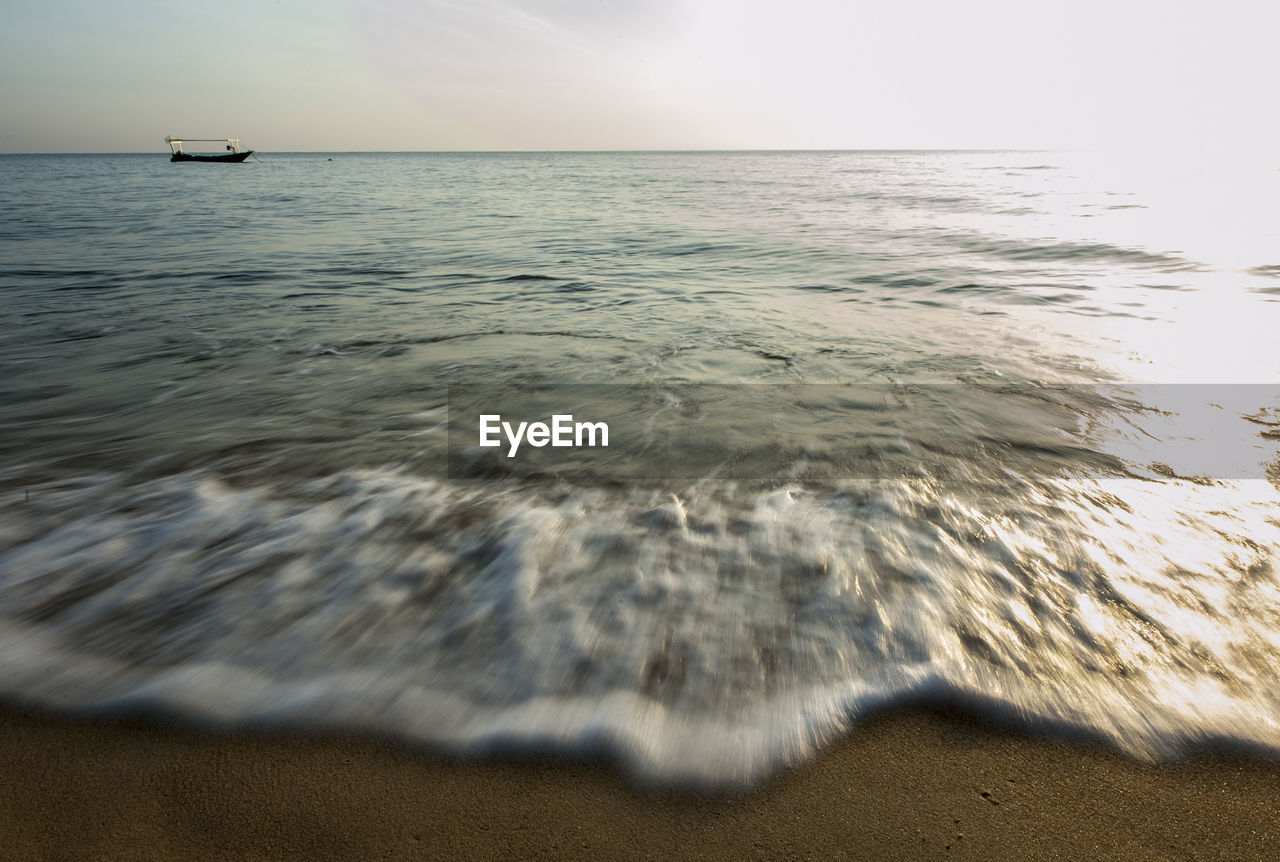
<point x="223" y="157"/>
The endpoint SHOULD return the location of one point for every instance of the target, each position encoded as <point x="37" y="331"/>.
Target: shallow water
<point x="887" y="425"/>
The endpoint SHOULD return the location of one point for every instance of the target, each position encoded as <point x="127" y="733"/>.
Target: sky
<point x="342" y="75"/>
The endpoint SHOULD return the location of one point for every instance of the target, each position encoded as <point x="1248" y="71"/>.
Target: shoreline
<point x="910" y="783"/>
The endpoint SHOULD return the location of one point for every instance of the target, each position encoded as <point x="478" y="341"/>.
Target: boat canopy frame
<point x="175" y="144"/>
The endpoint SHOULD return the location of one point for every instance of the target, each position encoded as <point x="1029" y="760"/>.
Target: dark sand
<point x="914" y="784"/>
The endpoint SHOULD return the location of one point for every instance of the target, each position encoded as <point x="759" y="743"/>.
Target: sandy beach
<point x="911" y="784"/>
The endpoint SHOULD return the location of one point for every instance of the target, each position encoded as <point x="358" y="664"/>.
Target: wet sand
<point x="912" y="784"/>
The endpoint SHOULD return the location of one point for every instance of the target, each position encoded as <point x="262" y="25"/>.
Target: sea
<point x="989" y="430"/>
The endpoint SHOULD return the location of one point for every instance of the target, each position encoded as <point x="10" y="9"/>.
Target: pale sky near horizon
<point x="339" y="75"/>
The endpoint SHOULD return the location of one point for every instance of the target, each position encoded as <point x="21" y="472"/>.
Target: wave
<point x="708" y="637"/>
<point x="1058" y="250"/>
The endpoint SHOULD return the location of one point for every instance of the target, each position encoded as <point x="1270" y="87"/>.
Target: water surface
<point x="227" y="485"/>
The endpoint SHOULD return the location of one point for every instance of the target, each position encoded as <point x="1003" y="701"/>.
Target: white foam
<point x="737" y="633"/>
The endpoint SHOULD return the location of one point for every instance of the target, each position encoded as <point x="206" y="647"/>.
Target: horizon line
<point x="514" y="151"/>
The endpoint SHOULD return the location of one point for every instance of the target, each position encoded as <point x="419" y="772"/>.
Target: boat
<point x="233" y="153"/>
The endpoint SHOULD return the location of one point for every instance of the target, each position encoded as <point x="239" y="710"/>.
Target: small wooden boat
<point x="233" y="153"/>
